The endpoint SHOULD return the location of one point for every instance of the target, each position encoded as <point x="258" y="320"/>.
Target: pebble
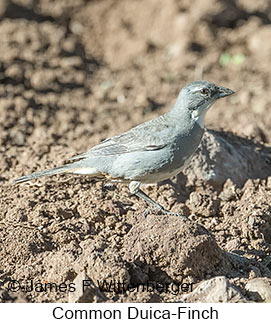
<point x="215" y="290"/>
<point x="259" y="289"/>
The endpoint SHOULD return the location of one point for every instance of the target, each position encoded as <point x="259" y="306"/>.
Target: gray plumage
<point x="154" y="150"/>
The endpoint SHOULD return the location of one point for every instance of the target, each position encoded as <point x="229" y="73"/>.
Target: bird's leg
<point x="143" y="195"/>
<point x="135" y="189"/>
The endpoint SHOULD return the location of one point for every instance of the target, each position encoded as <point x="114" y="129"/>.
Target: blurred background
<point x="73" y="69"/>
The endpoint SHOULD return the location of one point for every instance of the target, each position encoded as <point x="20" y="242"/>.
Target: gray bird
<point x="152" y="151"/>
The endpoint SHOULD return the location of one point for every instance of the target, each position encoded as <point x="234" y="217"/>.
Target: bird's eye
<point x="204" y="91"/>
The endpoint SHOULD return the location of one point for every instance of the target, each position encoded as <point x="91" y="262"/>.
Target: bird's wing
<point x="151" y="135"/>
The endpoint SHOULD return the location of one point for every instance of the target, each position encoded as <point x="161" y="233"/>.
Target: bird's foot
<point x="146" y="212"/>
<point x="162" y="210"/>
<point x="108" y="187"/>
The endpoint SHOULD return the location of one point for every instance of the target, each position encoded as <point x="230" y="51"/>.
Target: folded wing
<point x="144" y="137"/>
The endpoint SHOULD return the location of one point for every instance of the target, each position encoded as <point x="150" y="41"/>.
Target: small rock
<point x="76" y="27"/>
<point x="215" y="290"/>
<point x="42" y="80"/>
<point x="15" y="72"/>
<point x="260" y="40"/>
<point x="259" y="289"/>
<point x="232" y="245"/>
<point x="229" y="192"/>
<point x="251" y="220"/>
<point x="18" y="139"/>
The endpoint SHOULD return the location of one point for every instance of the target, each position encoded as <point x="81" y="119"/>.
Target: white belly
<point x="161" y="176"/>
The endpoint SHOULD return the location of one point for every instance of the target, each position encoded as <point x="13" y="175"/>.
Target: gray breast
<point x="186" y="144"/>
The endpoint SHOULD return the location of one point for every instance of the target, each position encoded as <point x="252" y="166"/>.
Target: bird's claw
<point x="162" y="210"/>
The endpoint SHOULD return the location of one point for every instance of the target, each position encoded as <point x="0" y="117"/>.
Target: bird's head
<point x="197" y="97"/>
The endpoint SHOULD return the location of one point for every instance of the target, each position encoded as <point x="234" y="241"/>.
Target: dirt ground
<point x="74" y="72"/>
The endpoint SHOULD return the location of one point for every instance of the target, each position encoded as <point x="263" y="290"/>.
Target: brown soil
<point x="75" y="72"/>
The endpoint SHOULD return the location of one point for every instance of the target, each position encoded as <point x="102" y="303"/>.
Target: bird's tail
<point x="47" y="172"/>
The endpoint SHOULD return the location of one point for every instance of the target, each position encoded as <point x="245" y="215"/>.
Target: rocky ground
<point x="73" y="73"/>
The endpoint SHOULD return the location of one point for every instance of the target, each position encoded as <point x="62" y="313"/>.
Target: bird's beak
<point x="223" y="91"/>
